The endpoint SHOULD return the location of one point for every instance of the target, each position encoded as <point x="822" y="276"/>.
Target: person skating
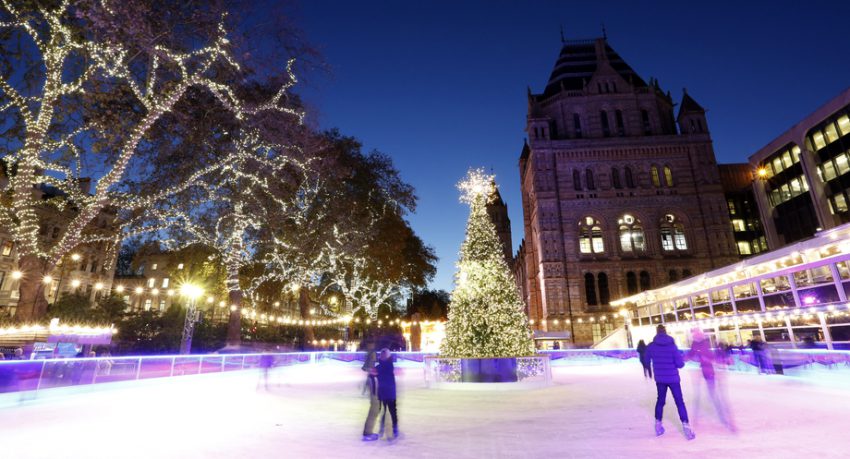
<point x="371" y="387"/>
<point x="666" y="360"/>
<point x="701" y="352"/>
<point x="641" y="350"/>
<point x="386" y="389"/>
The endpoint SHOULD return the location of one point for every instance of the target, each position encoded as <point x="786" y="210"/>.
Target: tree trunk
<point x="304" y="306"/>
<point x="234" y="324"/>
<point x="32" y="305"/>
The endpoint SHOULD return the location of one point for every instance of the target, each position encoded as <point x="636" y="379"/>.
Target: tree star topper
<point x="477" y="183"/>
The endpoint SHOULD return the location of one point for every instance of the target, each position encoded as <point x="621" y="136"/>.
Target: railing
<point x="37" y="375"/>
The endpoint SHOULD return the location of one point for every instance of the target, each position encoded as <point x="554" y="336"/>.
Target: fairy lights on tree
<point x="485" y="313"/>
<point x="78" y="65"/>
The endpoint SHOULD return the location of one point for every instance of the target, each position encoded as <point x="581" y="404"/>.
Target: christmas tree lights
<point x="485" y="313"/>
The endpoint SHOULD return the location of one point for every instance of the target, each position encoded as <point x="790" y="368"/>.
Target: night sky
<point x="441" y="86"/>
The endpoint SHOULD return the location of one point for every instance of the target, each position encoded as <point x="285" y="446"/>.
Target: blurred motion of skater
<point x="641" y="350"/>
<point x="666" y="361"/>
<point x="702" y="353"/>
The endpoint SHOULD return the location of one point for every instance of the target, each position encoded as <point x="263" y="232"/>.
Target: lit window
<point x="656" y="180"/>
<point x="631" y="234"/>
<point x="840" y="203"/>
<point x="786" y="159"/>
<point x="844" y="125"/>
<point x="151" y="282"/>
<point x="162" y="305"/>
<point x="818" y="140"/>
<point x="180" y="266"/>
<point x="828" y="171"/>
<point x="841" y="164"/>
<point x="738" y="225"/>
<point x="831" y="133"/>
<point x="744" y="248"/>
<point x="667" y="239"/>
<point x="7" y="248"/>
<point x="679" y="237"/>
<point x="668" y="176"/>
<point x="590" y="236"/>
<point x="148" y="304"/>
<point x="164" y="282"/>
<point x="153" y="267"/>
<point x="731" y="205"/>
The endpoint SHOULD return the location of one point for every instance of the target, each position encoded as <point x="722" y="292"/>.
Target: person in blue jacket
<point x="666" y="361"/>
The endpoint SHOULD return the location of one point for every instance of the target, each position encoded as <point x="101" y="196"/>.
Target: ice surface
<point x="317" y="411"/>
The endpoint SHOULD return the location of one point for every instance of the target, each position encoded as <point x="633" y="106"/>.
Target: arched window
<point x="606" y="129"/>
<point x="588" y="177"/>
<point x="668" y="176"/>
<point x="602" y="282"/>
<point x="618" y="118"/>
<point x="647" y="127"/>
<point x="631" y="283"/>
<point x="576" y="180"/>
<point x="656" y="180"/>
<point x="590" y="289"/>
<point x="672" y="234"/>
<point x="577" y="125"/>
<point x="590" y="236"/>
<point x="674" y="275"/>
<point x="615" y="178"/>
<point x="630" y="181"/>
<point x="631" y="234"/>
<point x="644" y="281"/>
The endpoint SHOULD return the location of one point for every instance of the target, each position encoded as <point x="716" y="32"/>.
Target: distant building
<point x="498" y="212"/>
<point x="620" y="193"/>
<point x="737" y="181"/>
<point x="804" y="175"/>
<point x="88" y="269"/>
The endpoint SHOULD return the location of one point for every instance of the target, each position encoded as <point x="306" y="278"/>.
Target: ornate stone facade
<point x="618" y="195"/>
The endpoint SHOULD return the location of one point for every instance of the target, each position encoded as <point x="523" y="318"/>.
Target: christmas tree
<point x="485" y="313"/>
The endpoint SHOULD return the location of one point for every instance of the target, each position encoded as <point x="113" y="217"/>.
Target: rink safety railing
<point x="37" y="375"/>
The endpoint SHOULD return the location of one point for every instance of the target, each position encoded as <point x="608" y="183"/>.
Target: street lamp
<point x="192" y="292"/>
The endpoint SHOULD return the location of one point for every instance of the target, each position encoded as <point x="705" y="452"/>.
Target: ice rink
<point x="317" y="411"/>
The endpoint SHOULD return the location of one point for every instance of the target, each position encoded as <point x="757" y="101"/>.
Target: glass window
<point x="630" y="181"/>
<point x="785" y="192"/>
<point x="744" y="248"/>
<point x="590" y="289"/>
<point x="631" y="282"/>
<point x="843" y="269"/>
<point x="656" y="180"/>
<point x="738" y="225"/>
<point x="814" y="276"/>
<point x="7" y="248"/>
<point x="645" y="283"/>
<point x="700" y="300"/>
<point x="831" y="133"/>
<point x="153" y="267"/>
<point x="625" y="239"/>
<point x="162" y="305"/>
<point x="647" y="127"/>
<point x="588" y="176"/>
<point x="637" y="238"/>
<point x="606" y="130"/>
<point x="165" y="282"/>
<point x="744" y="290"/>
<point x="615" y="178"/>
<point x="668" y="176"/>
<point x="841" y="164"/>
<point x="584" y="241"/>
<point x="775" y="284"/>
<point x="148" y="304"/>
<point x="577" y="124"/>
<point x="576" y="180"/>
<point x="604" y="294"/>
<point x="720" y="295"/>
<point x="596" y="236"/>
<point x="840" y="203"/>
<point x="796" y="187"/>
<point x="151" y="282"/>
<point x="844" y="125"/>
<point x="731" y="205"/>
<point x="667" y="238"/>
<point x="180" y="266"/>
<point x="828" y="171"/>
<point x="679" y="237"/>
<point x="818" y="140"/>
<point x="786" y="159"/>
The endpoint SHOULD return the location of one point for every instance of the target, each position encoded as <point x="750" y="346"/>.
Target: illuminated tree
<point x="485" y="313"/>
<point x="88" y="86"/>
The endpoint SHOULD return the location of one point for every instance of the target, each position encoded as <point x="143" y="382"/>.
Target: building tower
<point x="616" y="197"/>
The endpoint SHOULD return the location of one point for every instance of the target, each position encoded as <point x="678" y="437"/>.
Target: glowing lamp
<point x="47" y="279"/>
<point x="119" y="289"/>
<point x="191" y="291"/>
<point x="98" y="286"/>
<point x="138" y="290"/>
<point x="75" y="256"/>
<point x="17" y="274"/>
<point x="75" y="283"/>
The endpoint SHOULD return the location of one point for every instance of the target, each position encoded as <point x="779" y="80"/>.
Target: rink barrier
<point x="36" y="375"/>
<point x="449" y="373"/>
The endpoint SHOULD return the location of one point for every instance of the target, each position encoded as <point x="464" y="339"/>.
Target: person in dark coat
<point x="386" y="388"/>
<point x="371" y="387"/>
<point x="641" y="350"/>
<point x="666" y="360"/>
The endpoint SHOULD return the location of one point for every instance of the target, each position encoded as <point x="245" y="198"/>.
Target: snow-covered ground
<point x="317" y="411"/>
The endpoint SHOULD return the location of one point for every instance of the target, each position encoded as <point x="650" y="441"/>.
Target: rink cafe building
<point x="789" y="297"/>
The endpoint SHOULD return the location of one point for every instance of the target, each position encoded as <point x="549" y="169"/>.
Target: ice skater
<point x="386" y="390"/>
<point x="666" y="361"/>
<point x="266" y="362"/>
<point x="702" y="353"/>
<point x="371" y="387"/>
<point x="641" y="350"/>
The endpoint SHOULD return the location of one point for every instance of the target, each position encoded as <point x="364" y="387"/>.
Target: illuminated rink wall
<point x="793" y="297"/>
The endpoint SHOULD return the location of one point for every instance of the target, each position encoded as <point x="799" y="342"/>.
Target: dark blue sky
<point x="441" y="86"/>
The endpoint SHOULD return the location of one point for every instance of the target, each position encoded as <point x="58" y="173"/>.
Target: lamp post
<point x="192" y="292"/>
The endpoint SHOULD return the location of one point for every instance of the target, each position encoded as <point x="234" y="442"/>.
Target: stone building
<point x="620" y="193"/>
<point x="498" y="212"/>
<point x="88" y="269"/>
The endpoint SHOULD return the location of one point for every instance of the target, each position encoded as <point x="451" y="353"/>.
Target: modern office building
<point x="803" y="175"/>
<point x="737" y="182"/>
